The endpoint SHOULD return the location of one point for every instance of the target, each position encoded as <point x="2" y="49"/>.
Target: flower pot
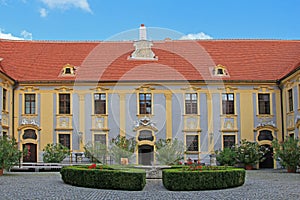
<point x="248" y="167"/>
<point x="1" y="172"/>
<point x="291" y="170"/>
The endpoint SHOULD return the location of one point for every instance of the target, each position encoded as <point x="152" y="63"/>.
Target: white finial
<point x="143" y="32"/>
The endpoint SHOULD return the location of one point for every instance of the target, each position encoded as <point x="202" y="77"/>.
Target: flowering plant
<point x="92" y="166"/>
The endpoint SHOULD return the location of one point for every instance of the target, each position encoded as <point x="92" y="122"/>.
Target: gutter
<point x="15" y="86"/>
<point x="281" y="108"/>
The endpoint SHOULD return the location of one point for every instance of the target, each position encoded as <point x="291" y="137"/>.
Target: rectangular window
<point x="192" y="143"/>
<point x="145" y="103"/>
<point x="291" y="102"/>
<point x="264" y="104"/>
<point x="64" y="139"/>
<point x="4" y="99"/>
<point x="228" y="141"/>
<point x="100" y="103"/>
<point x="64" y="104"/>
<point x="191" y="103"/>
<point x="100" y="138"/>
<point x="29" y="103"/>
<point x="228" y="103"/>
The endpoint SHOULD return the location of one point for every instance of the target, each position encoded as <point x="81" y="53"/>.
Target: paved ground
<point x="260" y="184"/>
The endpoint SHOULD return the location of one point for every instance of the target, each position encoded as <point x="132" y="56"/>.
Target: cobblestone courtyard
<point x="260" y="184"/>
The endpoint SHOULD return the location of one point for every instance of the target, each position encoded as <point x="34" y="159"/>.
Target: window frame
<point x="228" y="106"/>
<point x="4" y="99"/>
<point x="194" y="142"/>
<point x="32" y="104"/>
<point x="64" y="109"/>
<point x="67" y="141"/>
<point x="100" y="104"/>
<point x="145" y="105"/>
<point x="264" y="107"/>
<point x="223" y="141"/>
<point x="191" y="104"/>
<point x="290" y="100"/>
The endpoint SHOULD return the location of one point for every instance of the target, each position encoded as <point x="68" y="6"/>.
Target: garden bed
<point x="202" y="178"/>
<point x="104" y="177"/>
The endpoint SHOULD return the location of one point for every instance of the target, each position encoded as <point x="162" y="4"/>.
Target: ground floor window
<point x="64" y="139"/>
<point x="192" y="142"/>
<point x="228" y="141"/>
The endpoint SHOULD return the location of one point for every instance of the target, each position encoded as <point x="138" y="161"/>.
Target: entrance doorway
<point x="31" y="155"/>
<point x="269" y="160"/>
<point x="146" y="155"/>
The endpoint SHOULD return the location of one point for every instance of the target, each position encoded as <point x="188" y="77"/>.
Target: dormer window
<point x="220" y="70"/>
<point x="68" y="70"/>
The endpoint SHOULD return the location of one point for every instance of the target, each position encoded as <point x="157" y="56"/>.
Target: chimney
<point x="143" y="32"/>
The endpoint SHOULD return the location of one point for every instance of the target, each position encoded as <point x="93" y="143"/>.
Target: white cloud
<point x="196" y="36"/>
<point x="43" y="12"/>
<point x="66" y="4"/>
<point x="8" y="36"/>
<point x="26" y="35"/>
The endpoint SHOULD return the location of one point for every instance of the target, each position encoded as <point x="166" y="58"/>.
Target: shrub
<point x="104" y="177"/>
<point x="288" y="153"/>
<point x="9" y="153"/>
<point x="55" y="153"/>
<point x="226" y="157"/>
<point x="169" y="152"/>
<point x="122" y="147"/>
<point x="204" y="179"/>
<point x="97" y="152"/>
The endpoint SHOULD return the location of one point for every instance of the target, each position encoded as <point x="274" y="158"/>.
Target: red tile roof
<point x="245" y="60"/>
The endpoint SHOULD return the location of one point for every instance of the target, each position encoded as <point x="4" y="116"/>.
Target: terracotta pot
<point x="1" y="172"/>
<point x="291" y="170"/>
<point x="248" y="167"/>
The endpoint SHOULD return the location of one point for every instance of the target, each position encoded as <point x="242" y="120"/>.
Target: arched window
<point x="265" y="135"/>
<point x="145" y="135"/>
<point x="29" y="134"/>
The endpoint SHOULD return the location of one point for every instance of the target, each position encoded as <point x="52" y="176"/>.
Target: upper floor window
<point x="100" y="103"/>
<point x="228" y="141"/>
<point x="264" y="104"/>
<point x="192" y="143"/>
<point x="64" y="104"/>
<point x="30" y="104"/>
<point x="220" y="70"/>
<point x="191" y="103"/>
<point x="4" y="98"/>
<point x="290" y="99"/>
<point x="228" y="103"/>
<point x="145" y="103"/>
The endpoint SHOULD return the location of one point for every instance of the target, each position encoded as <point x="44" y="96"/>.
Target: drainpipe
<point x="281" y="107"/>
<point x="16" y="84"/>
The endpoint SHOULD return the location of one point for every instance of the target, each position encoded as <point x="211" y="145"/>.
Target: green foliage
<point x="97" y="152"/>
<point x="250" y="153"/>
<point x="205" y="179"/>
<point x="169" y="152"/>
<point x="288" y="152"/>
<point x="9" y="153"/>
<point x="55" y="153"/>
<point x="226" y="157"/>
<point x="104" y="177"/>
<point x="122" y="147"/>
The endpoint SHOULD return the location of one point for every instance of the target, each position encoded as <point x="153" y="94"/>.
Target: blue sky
<point x="101" y="20"/>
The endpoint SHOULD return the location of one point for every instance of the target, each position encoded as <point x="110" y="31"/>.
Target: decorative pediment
<point x="99" y="89"/>
<point x="29" y="123"/>
<point x="266" y="123"/>
<point x="145" y="88"/>
<point x="191" y="89"/>
<point x="228" y="89"/>
<point x="29" y="89"/>
<point x="263" y="88"/>
<point x="144" y="122"/>
<point x="63" y="89"/>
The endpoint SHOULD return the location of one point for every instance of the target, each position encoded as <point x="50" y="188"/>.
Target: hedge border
<point x="104" y="177"/>
<point x="183" y="180"/>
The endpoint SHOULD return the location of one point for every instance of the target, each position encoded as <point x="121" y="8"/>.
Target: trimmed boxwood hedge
<point x="185" y="180"/>
<point x="104" y="177"/>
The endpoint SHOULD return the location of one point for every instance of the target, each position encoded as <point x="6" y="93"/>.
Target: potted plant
<point x="226" y="157"/>
<point x="9" y="153"/>
<point x="249" y="153"/>
<point x="288" y="153"/>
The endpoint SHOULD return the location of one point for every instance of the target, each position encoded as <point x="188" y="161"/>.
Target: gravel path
<point x="260" y="184"/>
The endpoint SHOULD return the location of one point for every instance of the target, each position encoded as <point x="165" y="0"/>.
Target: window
<point x="29" y="103"/>
<point x="101" y="138"/>
<point x="191" y="103"/>
<point x="290" y="98"/>
<point x="29" y="134"/>
<point x="68" y="70"/>
<point x="100" y="103"/>
<point x="265" y="135"/>
<point x="4" y="134"/>
<point x="228" y="103"/>
<point x="145" y="135"/>
<point x="64" y="104"/>
<point x="192" y="142"/>
<point x="228" y="141"/>
<point x="264" y="104"/>
<point x="64" y="139"/>
<point x="145" y="103"/>
<point x="4" y="99"/>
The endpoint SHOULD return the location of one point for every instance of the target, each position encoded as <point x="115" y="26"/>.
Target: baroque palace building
<point x="209" y="94"/>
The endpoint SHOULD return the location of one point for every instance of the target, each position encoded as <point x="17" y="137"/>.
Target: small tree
<point x="226" y="157"/>
<point x="55" y="153"/>
<point x="288" y="153"/>
<point x="122" y="147"/>
<point x="97" y="152"/>
<point x="169" y="152"/>
<point x="9" y="153"/>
